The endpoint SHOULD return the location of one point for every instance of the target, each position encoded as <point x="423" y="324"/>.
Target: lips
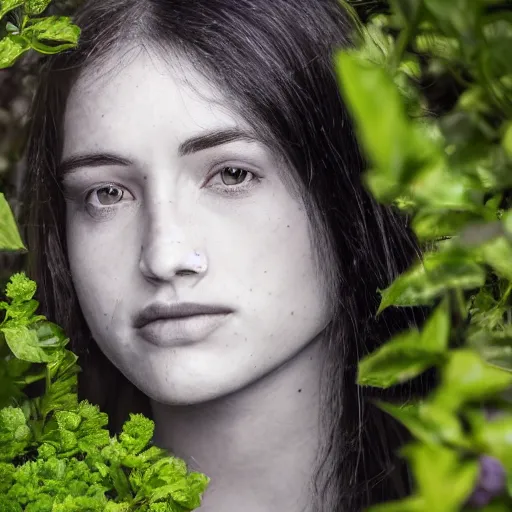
<point x="168" y="324"/>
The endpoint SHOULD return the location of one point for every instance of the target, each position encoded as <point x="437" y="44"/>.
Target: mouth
<point x="171" y="324"/>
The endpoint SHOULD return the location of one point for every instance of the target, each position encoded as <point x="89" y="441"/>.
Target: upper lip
<point x="161" y="311"/>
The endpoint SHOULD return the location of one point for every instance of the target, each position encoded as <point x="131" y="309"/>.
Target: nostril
<point x="185" y="272"/>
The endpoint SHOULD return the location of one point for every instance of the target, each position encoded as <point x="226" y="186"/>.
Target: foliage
<point x="450" y="170"/>
<point x="17" y="85"/>
<point x="55" y="453"/>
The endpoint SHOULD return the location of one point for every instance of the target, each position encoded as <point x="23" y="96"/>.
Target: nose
<point x="168" y="252"/>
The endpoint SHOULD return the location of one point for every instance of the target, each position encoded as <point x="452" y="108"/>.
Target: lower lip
<point x="174" y="331"/>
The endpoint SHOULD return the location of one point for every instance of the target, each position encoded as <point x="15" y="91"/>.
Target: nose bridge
<point x="164" y="223"/>
<point x="168" y="238"/>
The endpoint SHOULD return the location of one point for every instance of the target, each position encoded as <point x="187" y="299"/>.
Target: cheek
<point x="99" y="256"/>
<point x="274" y="270"/>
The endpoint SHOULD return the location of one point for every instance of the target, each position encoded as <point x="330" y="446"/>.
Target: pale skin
<point x="240" y="403"/>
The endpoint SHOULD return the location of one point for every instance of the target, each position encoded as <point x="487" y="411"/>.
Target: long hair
<point x="273" y="60"/>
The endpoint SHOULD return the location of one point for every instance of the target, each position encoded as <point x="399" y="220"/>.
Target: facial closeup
<point x="191" y="256"/>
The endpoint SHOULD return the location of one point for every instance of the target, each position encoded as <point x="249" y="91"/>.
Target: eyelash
<point x="235" y="190"/>
<point x="229" y="190"/>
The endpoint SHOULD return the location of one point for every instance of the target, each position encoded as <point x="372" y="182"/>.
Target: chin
<point x="177" y="393"/>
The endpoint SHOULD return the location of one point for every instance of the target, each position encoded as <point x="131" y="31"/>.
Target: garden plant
<point x="447" y="165"/>
<point x="444" y="162"/>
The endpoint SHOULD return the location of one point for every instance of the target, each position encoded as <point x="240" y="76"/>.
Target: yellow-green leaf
<point x="467" y="377"/>
<point x="35" y="7"/>
<point x="444" y="480"/>
<point x="9" y="5"/>
<point x="11" y="48"/>
<point x="58" y="29"/>
<point x="24" y="344"/>
<point x="398" y="360"/>
<point x="429" y="279"/>
<point x="428" y="423"/>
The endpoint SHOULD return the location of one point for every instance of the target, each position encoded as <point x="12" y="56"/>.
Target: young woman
<point x="200" y="230"/>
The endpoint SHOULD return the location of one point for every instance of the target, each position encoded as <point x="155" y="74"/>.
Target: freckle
<point x="291" y="313"/>
<point x="288" y="226"/>
<point x="104" y="314"/>
<point x="145" y="177"/>
<point x="300" y="390"/>
<point x="264" y="271"/>
<point x="250" y="289"/>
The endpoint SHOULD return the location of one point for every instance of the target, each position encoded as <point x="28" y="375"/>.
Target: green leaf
<point x="14" y="433"/>
<point x="68" y="420"/>
<point x="6" y="476"/>
<point x="57" y="29"/>
<point x="459" y="17"/>
<point x="494" y="437"/>
<point x="435" y="333"/>
<point x="61" y="395"/>
<point x="20" y="313"/>
<point x="429" y="423"/>
<point x="35" y="7"/>
<point x="396" y="147"/>
<point x="408" y="354"/>
<point x="120" y="482"/>
<point x="506" y="141"/>
<point x="433" y="224"/>
<point x="498" y="254"/>
<point x="384" y="143"/>
<point x="428" y="280"/>
<point x="63" y="365"/>
<point x="11" y="48"/>
<point x="408" y="9"/>
<point x="8" y="505"/>
<point x="443" y="479"/>
<point x="459" y="191"/>
<point x="24" y="344"/>
<point x="137" y="433"/>
<point x="9" y="236"/>
<point x="494" y="347"/>
<point x="184" y="491"/>
<point x="9" y="5"/>
<point x="400" y="359"/>
<point x="466" y="377"/>
<point x="20" y="288"/>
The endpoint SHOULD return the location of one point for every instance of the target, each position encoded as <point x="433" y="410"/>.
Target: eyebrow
<point x="192" y="145"/>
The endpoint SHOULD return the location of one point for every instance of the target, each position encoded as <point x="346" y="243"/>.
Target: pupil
<point x="233" y="175"/>
<point x="109" y="195"/>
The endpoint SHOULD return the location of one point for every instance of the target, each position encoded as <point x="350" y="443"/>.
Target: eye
<point x="106" y="195"/>
<point x="233" y="175"/>
<point x="231" y="180"/>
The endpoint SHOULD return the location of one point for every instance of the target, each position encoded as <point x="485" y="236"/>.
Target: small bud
<point x="491" y="482"/>
<point x="492" y="475"/>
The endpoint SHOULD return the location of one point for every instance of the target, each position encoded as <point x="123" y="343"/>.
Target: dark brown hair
<point x="273" y="59"/>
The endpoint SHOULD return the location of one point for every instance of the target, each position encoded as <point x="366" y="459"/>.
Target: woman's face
<point x="173" y="202"/>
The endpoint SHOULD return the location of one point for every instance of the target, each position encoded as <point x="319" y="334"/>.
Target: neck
<point x="259" y="445"/>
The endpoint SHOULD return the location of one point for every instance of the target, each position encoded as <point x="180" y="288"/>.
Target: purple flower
<point x="491" y="482"/>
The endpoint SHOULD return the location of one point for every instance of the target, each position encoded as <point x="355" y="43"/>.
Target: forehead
<point x="139" y="96"/>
